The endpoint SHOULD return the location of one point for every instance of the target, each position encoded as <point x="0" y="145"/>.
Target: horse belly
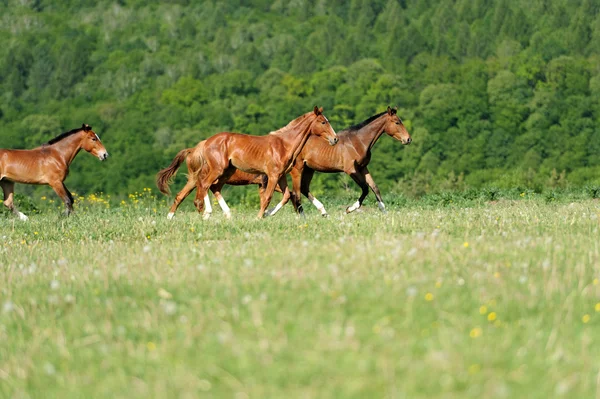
<point x="22" y="170"/>
<point x="325" y="159"/>
<point x="250" y="160"/>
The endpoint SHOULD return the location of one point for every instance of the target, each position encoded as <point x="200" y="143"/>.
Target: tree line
<point x="495" y="93"/>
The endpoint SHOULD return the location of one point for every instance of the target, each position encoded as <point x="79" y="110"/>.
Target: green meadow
<point x="440" y="297"/>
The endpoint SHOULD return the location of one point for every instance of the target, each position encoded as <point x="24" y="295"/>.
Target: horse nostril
<point x="409" y="140"/>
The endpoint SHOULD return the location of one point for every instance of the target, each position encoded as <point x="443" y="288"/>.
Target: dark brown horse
<point x="48" y="164"/>
<point x="351" y="155"/>
<point x="214" y="160"/>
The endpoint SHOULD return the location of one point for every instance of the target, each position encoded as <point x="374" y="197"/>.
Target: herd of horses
<point x="305" y="145"/>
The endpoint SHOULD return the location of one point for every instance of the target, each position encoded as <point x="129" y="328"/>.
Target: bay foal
<point x="352" y="156"/>
<point x="214" y="160"/>
<point x="47" y="164"/>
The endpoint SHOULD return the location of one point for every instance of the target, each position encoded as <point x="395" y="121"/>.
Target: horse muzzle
<point x="103" y="156"/>
<point x="333" y="141"/>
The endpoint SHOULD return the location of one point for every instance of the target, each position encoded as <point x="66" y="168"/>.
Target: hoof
<point x="325" y="215"/>
<point x="206" y="216"/>
<point x="170" y="216"/>
<point x="228" y="216"/>
<point x="23" y="217"/>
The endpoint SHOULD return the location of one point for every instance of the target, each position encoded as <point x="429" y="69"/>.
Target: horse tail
<point x="165" y="177"/>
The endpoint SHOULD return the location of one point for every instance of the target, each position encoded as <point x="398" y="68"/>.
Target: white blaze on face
<point x="95" y="134"/>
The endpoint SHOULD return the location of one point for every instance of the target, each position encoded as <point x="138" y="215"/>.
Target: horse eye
<point x="322" y="123"/>
<point x="94" y="139"/>
<point x="397" y="123"/>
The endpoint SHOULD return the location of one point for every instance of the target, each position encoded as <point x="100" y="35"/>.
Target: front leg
<point x="62" y="191"/>
<point x="266" y="196"/>
<point x="375" y="189"/>
<point x="359" y="178"/>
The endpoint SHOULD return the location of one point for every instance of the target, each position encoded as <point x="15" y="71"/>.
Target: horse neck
<point x="368" y="135"/>
<point x="68" y="148"/>
<point x="295" y="138"/>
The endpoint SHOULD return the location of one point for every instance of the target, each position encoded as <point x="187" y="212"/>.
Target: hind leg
<point x="286" y="197"/>
<point x="217" y="187"/>
<point x="305" y="188"/>
<point x="9" y="188"/>
<point x="187" y="189"/>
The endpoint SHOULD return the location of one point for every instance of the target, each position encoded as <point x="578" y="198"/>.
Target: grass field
<point x="482" y="299"/>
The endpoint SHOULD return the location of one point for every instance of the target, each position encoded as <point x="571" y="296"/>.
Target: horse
<point x="47" y="164"/>
<point x="214" y="160"/>
<point x="352" y="156"/>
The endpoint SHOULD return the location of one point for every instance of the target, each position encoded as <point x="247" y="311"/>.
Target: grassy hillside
<point x="495" y="93"/>
<point x="484" y="299"/>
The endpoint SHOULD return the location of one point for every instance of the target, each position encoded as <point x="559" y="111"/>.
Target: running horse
<point x="352" y="156"/>
<point x="47" y="164"/>
<point x="214" y="160"/>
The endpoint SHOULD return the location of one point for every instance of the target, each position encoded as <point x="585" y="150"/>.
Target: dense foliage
<point x="503" y="93"/>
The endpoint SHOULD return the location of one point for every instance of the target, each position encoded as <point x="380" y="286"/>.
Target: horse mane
<point x="362" y="124"/>
<point x="63" y="136"/>
<point x="293" y="123"/>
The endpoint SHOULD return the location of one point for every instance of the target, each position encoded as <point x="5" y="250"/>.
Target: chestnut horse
<point x="351" y="155"/>
<point x="48" y="164"/>
<point x="214" y="160"/>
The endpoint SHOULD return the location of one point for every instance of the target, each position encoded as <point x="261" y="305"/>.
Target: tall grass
<point x="448" y="296"/>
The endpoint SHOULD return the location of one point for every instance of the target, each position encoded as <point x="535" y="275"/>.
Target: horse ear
<point x="316" y="110"/>
<point x="86" y="127"/>
<point x="321" y="110"/>
<point x="389" y="110"/>
<point x="395" y="110"/>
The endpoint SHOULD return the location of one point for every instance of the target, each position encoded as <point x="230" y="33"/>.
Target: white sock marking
<point x="274" y="210"/>
<point x="207" y="205"/>
<point x="170" y="215"/>
<point x="225" y="208"/>
<point x="23" y="217"/>
<point x="381" y="206"/>
<point x="318" y="205"/>
<point x="354" y="207"/>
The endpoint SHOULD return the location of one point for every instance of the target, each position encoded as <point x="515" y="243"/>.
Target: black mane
<point x="64" y="135"/>
<point x="364" y="123"/>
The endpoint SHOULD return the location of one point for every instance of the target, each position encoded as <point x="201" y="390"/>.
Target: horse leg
<point x="359" y="178"/>
<point x="375" y="189"/>
<point x="9" y="188"/>
<point x="203" y="205"/>
<point x="216" y="189"/>
<point x="282" y="185"/>
<point x="187" y="189"/>
<point x="297" y="173"/>
<point x="265" y="199"/>
<point x="61" y="190"/>
<point x="305" y="188"/>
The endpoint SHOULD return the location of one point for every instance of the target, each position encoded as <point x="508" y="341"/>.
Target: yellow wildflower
<point x="466" y="244"/>
<point x="151" y="346"/>
<point x="482" y="309"/>
<point x="585" y="318"/>
<point x="597" y="307"/>
<point x="492" y="316"/>
<point x="429" y="297"/>
<point x="476" y="332"/>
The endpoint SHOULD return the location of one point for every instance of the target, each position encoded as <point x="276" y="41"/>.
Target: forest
<point x="499" y="93"/>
